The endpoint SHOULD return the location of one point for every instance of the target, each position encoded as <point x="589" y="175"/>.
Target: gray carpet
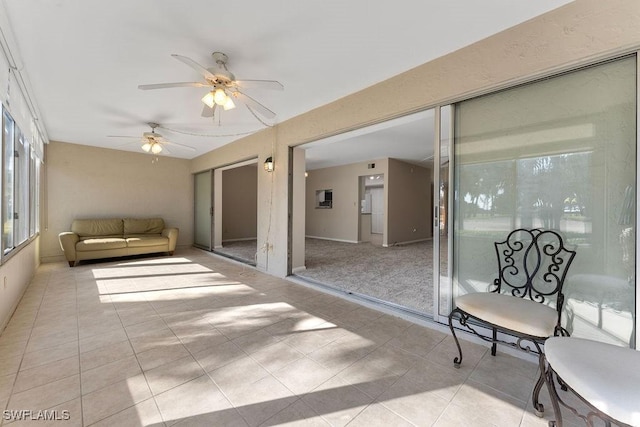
<point x="401" y="275"/>
<point x="242" y="250"/>
<point x="398" y="274"/>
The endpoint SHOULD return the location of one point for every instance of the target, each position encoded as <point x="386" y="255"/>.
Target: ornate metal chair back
<point x="533" y="263"/>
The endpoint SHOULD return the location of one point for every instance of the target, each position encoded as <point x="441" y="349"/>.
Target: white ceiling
<point x="85" y="58"/>
<point x="408" y="138"/>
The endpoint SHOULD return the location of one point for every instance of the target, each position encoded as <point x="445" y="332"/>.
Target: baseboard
<point x="61" y="258"/>
<point x="408" y="242"/>
<point x="242" y="239"/>
<point x="331" y="239"/>
<point x="14" y="307"/>
<point x="52" y="258"/>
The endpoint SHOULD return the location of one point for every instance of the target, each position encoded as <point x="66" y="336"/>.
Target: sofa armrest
<point x="68" y="242"/>
<point x="172" y="234"/>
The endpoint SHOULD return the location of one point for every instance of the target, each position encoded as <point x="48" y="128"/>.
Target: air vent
<point x="371" y="166"/>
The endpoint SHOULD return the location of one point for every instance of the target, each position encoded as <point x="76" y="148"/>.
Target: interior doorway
<point x="235" y="211"/>
<point x="372" y="209"/>
<point x="375" y="238"/>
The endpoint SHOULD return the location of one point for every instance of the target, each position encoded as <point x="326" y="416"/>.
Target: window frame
<point x="20" y="183"/>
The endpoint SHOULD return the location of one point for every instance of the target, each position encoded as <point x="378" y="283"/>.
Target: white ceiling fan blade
<point x="259" y="84"/>
<point x="253" y="104"/>
<point x="165" y="150"/>
<point x="124" y="137"/>
<point x="207" y="111"/>
<point x="170" y="85"/>
<point x="186" y="147"/>
<point x="127" y="144"/>
<point x="193" y="64"/>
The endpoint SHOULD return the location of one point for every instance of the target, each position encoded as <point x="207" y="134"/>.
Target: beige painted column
<point x="298" y="211"/>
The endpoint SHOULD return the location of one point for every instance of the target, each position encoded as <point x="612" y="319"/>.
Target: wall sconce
<point x="268" y="164"/>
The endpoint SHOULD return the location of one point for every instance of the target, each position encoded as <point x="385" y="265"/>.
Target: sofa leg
<point x="72" y="263"/>
<point x="170" y="253"/>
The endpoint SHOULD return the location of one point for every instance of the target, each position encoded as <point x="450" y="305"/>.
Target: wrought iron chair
<point x="524" y="301"/>
<point x="603" y="376"/>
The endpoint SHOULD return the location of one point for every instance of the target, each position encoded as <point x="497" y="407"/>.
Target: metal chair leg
<point x="494" y="346"/>
<point x="562" y="384"/>
<point x="458" y="360"/>
<point x="547" y="374"/>
<point x="535" y="397"/>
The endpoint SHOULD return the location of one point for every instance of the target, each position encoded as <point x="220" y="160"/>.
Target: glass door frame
<point x="208" y="247"/>
<point x="438" y="274"/>
<point x="635" y="322"/>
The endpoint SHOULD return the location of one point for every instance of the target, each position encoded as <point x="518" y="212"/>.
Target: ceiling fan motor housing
<point x="152" y="135"/>
<point x="222" y="75"/>
<point x="220" y="71"/>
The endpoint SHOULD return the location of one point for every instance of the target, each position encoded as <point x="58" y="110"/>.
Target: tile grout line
<point x="135" y="354"/>
<point x="79" y="360"/>
<point x="24" y="351"/>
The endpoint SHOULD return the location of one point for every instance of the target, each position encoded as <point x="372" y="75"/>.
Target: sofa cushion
<point x="100" y="244"/>
<point x="138" y="226"/>
<point x="135" y="242"/>
<point x="97" y="227"/>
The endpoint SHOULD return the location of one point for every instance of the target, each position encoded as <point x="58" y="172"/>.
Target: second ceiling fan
<point x="225" y="90"/>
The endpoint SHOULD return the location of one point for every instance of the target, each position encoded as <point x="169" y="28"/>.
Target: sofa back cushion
<point x="98" y="227"/>
<point x="142" y="226"/>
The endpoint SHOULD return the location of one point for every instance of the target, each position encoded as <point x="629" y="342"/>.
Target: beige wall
<point x="240" y="203"/>
<point x="341" y="222"/>
<point x="575" y="34"/>
<point x="409" y="202"/>
<point x="87" y="182"/>
<point x="15" y="275"/>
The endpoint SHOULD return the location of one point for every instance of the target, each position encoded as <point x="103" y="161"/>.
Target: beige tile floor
<point x="194" y="339"/>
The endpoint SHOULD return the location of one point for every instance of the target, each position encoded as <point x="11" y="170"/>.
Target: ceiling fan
<point x="153" y="142"/>
<point x="224" y="89"/>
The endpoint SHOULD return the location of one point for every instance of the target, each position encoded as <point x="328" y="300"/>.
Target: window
<point x="20" y="186"/>
<point x="34" y="191"/>
<point x="8" y="135"/>
<point x="324" y="199"/>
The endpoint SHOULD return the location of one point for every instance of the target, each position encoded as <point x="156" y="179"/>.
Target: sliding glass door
<point x="203" y="192"/>
<point x="442" y="235"/>
<point x="369" y="212"/>
<point x="556" y="154"/>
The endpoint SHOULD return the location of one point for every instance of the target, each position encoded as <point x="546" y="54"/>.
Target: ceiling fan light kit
<point x="152" y="147"/>
<point x="224" y="87"/>
<point x="219" y="97"/>
<point x="228" y="104"/>
<point x="153" y="142"/>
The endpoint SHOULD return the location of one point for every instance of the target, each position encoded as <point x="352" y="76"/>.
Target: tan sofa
<point x="108" y="238"/>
